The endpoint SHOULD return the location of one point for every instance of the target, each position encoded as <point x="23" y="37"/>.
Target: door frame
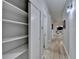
<point x="29" y="35"/>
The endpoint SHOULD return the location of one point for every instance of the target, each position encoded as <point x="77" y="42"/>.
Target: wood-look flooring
<point x="55" y="50"/>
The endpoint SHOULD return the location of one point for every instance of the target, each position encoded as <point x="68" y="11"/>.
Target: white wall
<point x="66" y="35"/>
<point x="49" y="29"/>
<point x="45" y="29"/>
<point x="35" y="33"/>
<point x="70" y="33"/>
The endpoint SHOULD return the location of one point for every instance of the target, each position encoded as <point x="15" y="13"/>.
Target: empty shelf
<point x="16" y="22"/>
<point x="12" y="12"/>
<point x="11" y="43"/>
<point x="13" y="54"/>
<point x="22" y="4"/>
<point x="13" y="39"/>
<point x="12" y="30"/>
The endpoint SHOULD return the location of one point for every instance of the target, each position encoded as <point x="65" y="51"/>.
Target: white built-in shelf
<point x="13" y="54"/>
<point x="11" y="12"/>
<point x="13" y="39"/>
<point x="15" y="22"/>
<point x="14" y="8"/>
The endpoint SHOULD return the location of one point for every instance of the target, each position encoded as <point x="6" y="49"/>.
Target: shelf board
<point x="13" y="39"/>
<point x="16" y="22"/>
<point x="14" y="8"/>
<point x="13" y="54"/>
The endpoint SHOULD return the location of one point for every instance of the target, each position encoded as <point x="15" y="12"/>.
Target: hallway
<point x="56" y="50"/>
<point x="38" y="29"/>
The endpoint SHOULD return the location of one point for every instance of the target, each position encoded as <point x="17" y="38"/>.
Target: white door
<point x="35" y="29"/>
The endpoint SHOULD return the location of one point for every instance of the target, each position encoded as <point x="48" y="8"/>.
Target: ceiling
<point x="56" y="9"/>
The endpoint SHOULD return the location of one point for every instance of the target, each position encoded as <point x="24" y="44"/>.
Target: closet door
<point x="35" y="38"/>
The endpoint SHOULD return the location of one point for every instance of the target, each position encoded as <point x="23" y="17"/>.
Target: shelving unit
<point x="15" y="53"/>
<point x="15" y="29"/>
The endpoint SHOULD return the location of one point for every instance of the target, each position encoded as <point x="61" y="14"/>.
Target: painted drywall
<point x="35" y="44"/>
<point x="70" y="32"/>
